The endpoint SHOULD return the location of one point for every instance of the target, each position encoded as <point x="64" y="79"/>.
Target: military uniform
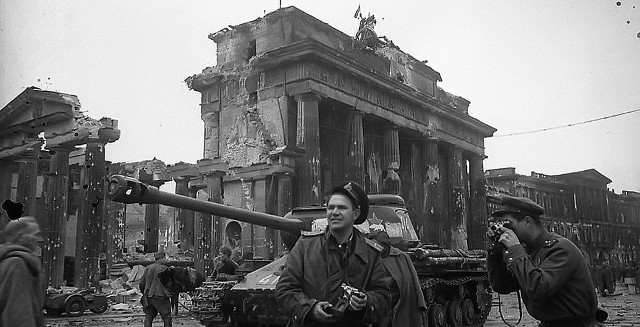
<point x="317" y="266"/>
<point x="553" y="276"/>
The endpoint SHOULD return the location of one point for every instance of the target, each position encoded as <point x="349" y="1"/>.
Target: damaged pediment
<point x="52" y="117"/>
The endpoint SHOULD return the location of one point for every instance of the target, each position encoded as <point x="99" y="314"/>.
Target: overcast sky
<point x="524" y="65"/>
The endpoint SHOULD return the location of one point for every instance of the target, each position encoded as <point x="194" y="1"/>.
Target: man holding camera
<point x="335" y="277"/>
<point x="549" y="269"/>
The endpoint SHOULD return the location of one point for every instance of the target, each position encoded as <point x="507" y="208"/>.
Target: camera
<point x="338" y="309"/>
<point x="497" y="228"/>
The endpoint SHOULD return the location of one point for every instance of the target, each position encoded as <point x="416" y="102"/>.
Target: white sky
<point x="524" y="65"/>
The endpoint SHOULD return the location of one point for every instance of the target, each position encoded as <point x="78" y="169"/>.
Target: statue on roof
<point x="365" y="33"/>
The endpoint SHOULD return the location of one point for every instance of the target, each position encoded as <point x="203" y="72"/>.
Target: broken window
<point x="253" y="98"/>
<point x="251" y="51"/>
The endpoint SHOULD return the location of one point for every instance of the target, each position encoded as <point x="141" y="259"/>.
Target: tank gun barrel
<point x="130" y="190"/>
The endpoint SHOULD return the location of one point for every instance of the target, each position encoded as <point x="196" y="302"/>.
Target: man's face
<point x="223" y="256"/>
<point x="31" y="238"/>
<point x="340" y="212"/>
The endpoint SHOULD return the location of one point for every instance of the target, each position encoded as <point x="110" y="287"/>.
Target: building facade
<point x="579" y="206"/>
<point x="294" y="107"/>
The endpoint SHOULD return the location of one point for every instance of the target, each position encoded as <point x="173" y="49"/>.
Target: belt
<point x="569" y="322"/>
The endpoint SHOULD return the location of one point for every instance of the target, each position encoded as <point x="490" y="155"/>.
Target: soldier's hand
<point x="358" y="301"/>
<point x="509" y="238"/>
<point x="319" y="313"/>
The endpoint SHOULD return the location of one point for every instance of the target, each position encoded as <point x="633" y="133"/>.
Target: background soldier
<point x="156" y="298"/>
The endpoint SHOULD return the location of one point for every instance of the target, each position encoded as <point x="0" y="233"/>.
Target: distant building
<point x="578" y="205"/>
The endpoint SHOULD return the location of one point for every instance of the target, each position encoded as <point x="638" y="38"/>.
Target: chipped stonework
<point x="247" y="140"/>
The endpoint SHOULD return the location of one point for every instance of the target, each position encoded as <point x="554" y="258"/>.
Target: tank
<point x="454" y="282"/>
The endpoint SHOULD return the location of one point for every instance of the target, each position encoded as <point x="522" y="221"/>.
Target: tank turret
<point x="454" y="282"/>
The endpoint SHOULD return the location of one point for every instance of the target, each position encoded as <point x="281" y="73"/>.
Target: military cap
<point x="518" y="205"/>
<point x="357" y="195"/>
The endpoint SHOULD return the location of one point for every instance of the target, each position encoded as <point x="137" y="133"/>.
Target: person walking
<point x="335" y="277"/>
<point x="548" y="269"/>
<point x="21" y="280"/>
<point x="156" y="298"/>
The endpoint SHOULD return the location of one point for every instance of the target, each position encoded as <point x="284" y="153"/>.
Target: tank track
<point x="454" y="302"/>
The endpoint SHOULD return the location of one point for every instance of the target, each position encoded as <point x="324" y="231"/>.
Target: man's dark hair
<point x="225" y="250"/>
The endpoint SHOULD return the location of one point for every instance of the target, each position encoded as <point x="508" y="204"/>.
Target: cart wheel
<point x="75" y="306"/>
<point x="100" y="309"/>
<point x="54" y="312"/>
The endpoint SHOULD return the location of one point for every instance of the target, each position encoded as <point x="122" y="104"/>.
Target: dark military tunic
<point x="315" y="270"/>
<point x="552" y="274"/>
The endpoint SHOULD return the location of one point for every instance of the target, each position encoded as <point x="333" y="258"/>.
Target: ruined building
<point x="294" y="107"/>
<point x="578" y="205"/>
<point x="52" y="160"/>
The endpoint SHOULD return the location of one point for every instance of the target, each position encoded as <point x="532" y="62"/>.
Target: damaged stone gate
<point x="52" y="160"/>
<point x="294" y="107"/>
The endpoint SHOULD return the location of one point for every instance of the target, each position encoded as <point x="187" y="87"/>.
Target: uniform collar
<point x="539" y="241"/>
<point x="357" y="243"/>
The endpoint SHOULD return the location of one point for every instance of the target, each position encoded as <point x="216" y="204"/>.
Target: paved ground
<point x="623" y="309"/>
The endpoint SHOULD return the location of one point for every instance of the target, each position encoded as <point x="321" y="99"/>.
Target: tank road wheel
<point x="75" y="306"/>
<point x="468" y="312"/>
<point x="454" y="313"/>
<point x="436" y="315"/>
<point x="429" y="295"/>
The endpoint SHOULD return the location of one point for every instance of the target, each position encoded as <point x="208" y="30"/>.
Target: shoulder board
<point x="374" y="245"/>
<point x="311" y="233"/>
<point x="550" y="243"/>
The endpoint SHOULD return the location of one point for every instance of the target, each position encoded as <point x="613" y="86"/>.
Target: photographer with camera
<point x="335" y="277"/>
<point x="549" y="269"/>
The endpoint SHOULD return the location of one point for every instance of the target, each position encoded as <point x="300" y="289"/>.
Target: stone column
<point x="414" y="197"/>
<point x="433" y="225"/>
<point x="55" y="225"/>
<point x="202" y="237"/>
<point x="211" y="134"/>
<point x="354" y="162"/>
<point x="6" y="176"/>
<point x="391" y="146"/>
<point x="285" y="203"/>
<point x="28" y="182"/>
<point x="213" y="226"/>
<point x="90" y="224"/>
<point x="190" y="222"/>
<point x="458" y="200"/>
<point x="478" y="217"/>
<point x="152" y="222"/>
<point x="185" y="221"/>
<point x="115" y="222"/>
<point x="308" y="139"/>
